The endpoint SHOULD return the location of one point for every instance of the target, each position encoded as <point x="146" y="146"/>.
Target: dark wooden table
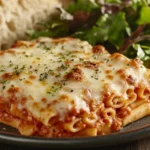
<point x="143" y="144"/>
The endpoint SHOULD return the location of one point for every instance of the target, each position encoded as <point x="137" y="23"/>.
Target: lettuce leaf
<point x="108" y="27"/>
<point x="84" y="5"/>
<point x="113" y="1"/>
<point x="118" y="29"/>
<point x="144" y="15"/>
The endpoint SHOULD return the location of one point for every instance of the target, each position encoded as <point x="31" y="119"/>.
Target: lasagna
<point x="66" y="88"/>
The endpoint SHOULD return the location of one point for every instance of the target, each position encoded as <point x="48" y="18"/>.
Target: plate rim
<point x="80" y="142"/>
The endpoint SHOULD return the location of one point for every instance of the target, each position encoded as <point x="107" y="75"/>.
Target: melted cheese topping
<point x="49" y="77"/>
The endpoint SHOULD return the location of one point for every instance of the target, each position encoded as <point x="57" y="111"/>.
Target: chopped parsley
<point x="3" y="81"/>
<point x="56" y="87"/>
<point x="43" y="76"/>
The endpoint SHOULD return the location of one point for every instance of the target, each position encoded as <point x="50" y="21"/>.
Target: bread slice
<point x="16" y="16"/>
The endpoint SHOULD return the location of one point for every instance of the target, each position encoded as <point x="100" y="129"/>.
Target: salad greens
<point x="119" y="25"/>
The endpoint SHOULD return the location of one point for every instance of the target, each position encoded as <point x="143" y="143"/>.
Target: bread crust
<point x="16" y="16"/>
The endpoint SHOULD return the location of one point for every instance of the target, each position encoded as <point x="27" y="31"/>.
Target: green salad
<point x="120" y="25"/>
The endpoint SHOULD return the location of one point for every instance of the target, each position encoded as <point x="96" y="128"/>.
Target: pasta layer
<point x="65" y="87"/>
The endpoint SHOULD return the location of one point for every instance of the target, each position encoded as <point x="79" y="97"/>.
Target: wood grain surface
<point x="143" y="144"/>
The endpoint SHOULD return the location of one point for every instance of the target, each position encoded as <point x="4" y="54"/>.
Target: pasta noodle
<point x="115" y="101"/>
<point x="90" y="119"/>
<point x="137" y="103"/>
<point x="142" y="111"/>
<point x="74" y="126"/>
<point x="143" y="93"/>
<point x="131" y="96"/>
<point x="87" y="132"/>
